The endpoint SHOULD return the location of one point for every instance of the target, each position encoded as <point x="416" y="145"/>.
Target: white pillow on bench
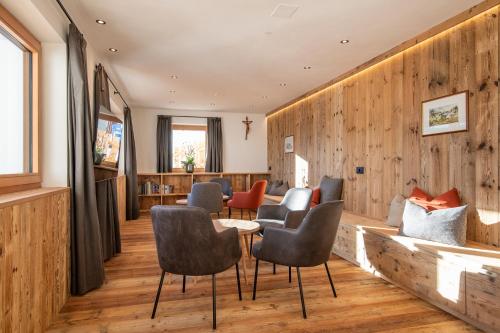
<point x="447" y="226"/>
<point x="395" y="216"/>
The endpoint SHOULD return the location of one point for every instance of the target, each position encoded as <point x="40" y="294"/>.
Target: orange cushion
<point x="449" y="199"/>
<point x="316" y="197"/>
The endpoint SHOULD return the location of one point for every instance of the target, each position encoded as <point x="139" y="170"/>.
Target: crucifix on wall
<point x="247" y="124"/>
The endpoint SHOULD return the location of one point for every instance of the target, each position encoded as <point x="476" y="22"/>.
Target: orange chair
<point x="248" y="200"/>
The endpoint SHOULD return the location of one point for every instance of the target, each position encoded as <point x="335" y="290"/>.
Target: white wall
<point x="54" y="157"/>
<point x="239" y="155"/>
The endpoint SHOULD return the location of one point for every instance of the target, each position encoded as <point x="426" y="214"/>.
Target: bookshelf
<point x="167" y="188"/>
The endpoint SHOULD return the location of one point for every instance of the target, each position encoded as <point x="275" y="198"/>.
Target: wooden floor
<point x="365" y="303"/>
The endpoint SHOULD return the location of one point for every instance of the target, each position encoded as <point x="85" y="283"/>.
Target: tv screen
<point x="108" y="142"/>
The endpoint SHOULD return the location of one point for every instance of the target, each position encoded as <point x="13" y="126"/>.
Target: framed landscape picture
<point x="289" y="144"/>
<point x="446" y="114"/>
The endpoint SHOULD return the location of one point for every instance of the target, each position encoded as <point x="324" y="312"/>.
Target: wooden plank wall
<point x="34" y="261"/>
<point x="121" y="193"/>
<point x="372" y="119"/>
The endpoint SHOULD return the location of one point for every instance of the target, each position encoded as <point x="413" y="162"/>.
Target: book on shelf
<point x="149" y="188"/>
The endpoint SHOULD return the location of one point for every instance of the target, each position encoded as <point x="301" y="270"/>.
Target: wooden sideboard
<point x="34" y="258"/>
<point x="182" y="182"/>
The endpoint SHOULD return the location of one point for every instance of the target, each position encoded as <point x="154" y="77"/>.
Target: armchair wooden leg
<point x="238" y="281"/>
<point x="184" y="283"/>
<point x="229" y="212"/>
<point x="214" y="306"/>
<point x="255" y="278"/>
<point x="250" y="215"/>
<point x="301" y="294"/>
<point x="289" y="274"/>
<point x="158" y="295"/>
<point x="218" y="214"/>
<point x="241" y="214"/>
<point x="331" y="281"/>
<point x="274" y="269"/>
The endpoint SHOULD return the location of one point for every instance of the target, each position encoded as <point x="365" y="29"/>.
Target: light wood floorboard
<point x="365" y="303"/>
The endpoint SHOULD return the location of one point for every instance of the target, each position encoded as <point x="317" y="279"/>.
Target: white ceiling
<point x="234" y="54"/>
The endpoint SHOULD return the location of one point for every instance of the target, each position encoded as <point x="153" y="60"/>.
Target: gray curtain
<point x="132" y="206"/>
<point x="101" y="98"/>
<point x="109" y="223"/>
<point x="214" y="145"/>
<point x="164" y="144"/>
<point x="87" y="271"/>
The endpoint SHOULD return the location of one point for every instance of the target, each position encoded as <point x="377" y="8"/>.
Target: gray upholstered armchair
<point x="188" y="244"/>
<point x="307" y="246"/>
<point x="206" y="195"/>
<point x="225" y="183"/>
<point x="289" y="212"/>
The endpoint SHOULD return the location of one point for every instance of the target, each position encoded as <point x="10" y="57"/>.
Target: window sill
<point x="29" y="195"/>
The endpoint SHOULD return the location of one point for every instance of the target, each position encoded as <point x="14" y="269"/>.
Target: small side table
<point x="245" y="228"/>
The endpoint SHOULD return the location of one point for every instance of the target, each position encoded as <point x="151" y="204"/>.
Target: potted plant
<point x="98" y="155"/>
<point x="189" y="163"/>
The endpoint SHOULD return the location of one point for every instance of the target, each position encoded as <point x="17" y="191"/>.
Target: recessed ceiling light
<point x="112" y="49"/>
<point x="307" y="67"/>
<point x="282" y="84"/>
<point x="344" y="41"/>
<point x="174" y="77"/>
<point x="99" y="21"/>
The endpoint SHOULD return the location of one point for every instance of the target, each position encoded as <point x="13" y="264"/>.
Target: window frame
<point x="25" y="181"/>
<point x="188" y="127"/>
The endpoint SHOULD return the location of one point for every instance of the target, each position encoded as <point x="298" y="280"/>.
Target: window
<point x="15" y="103"/>
<point x="108" y="141"/>
<point x="188" y="139"/>
<point x="19" y="56"/>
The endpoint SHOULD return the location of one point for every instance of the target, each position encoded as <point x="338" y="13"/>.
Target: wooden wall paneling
<point x="337" y="130"/>
<point x="360" y="116"/>
<point x="349" y="97"/>
<point x="203" y="178"/>
<point x="411" y="119"/>
<point x="377" y="81"/>
<point x="34" y="261"/>
<point x="256" y="177"/>
<point x="462" y="173"/>
<point x="435" y="83"/>
<point x="238" y="181"/>
<point x="374" y="119"/>
<point x="392" y="132"/>
<point x="121" y="198"/>
<point x="487" y="145"/>
<point x="5" y="215"/>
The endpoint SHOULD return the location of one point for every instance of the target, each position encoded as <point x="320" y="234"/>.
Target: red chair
<point x="248" y="200"/>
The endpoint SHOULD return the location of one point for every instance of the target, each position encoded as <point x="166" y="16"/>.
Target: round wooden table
<point x="185" y="201"/>
<point x="245" y="228"/>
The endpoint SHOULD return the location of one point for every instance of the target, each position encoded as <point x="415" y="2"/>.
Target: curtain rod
<point x="73" y="22"/>
<point x="168" y="115"/>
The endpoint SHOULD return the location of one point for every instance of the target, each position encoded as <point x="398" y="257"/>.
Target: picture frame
<point x="289" y="144"/>
<point x="446" y="114"/>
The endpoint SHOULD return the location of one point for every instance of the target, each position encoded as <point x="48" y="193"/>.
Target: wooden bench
<point x="464" y="281"/>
